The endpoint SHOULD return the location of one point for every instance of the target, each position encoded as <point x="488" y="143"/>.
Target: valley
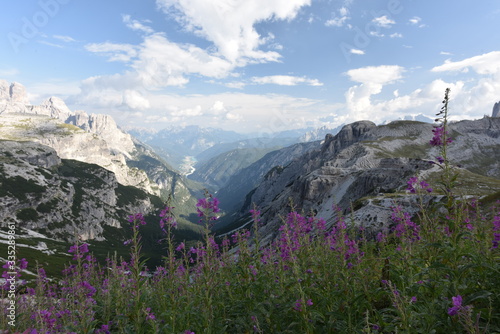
<point x="70" y="175"/>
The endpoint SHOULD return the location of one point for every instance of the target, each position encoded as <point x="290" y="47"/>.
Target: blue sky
<point x="254" y="65"/>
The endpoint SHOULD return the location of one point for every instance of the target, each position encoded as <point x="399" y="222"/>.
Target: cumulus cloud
<point x="372" y="79"/>
<point x="158" y="62"/>
<point x="415" y="20"/>
<point x="357" y="52"/>
<point x="481" y="91"/>
<point x="339" y="21"/>
<point x="396" y="35"/>
<point x="134" y="100"/>
<point x="286" y="80"/>
<point x="189" y="112"/>
<point x="380" y="75"/>
<point x="383" y="21"/>
<point x="229" y="24"/>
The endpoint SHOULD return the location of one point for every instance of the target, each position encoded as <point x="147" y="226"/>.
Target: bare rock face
<point x="4" y="90"/>
<point x="18" y="93"/>
<point x="53" y="107"/>
<point x="64" y="198"/>
<point x="104" y="126"/>
<point x="496" y="110"/>
<point x="13" y="93"/>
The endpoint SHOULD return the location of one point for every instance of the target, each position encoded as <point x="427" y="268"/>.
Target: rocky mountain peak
<point x="496" y="110"/>
<point x="349" y="134"/>
<point x="14" y="93"/>
<point x="53" y="107"/>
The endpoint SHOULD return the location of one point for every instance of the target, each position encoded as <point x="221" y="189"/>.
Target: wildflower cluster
<point x="414" y="185"/>
<point x="207" y="208"/>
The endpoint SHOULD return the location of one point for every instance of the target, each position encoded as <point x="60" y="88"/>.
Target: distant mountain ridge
<point x="368" y="161"/>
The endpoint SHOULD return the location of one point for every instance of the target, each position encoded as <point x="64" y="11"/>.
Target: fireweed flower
<point x="137" y="219"/>
<point x="457" y="305"/>
<point x="414" y="185"/>
<point x="79" y="250"/>
<point x="404" y="226"/>
<point x="496" y="230"/>
<point x="180" y="247"/>
<point x="439" y="137"/>
<point x="167" y="218"/>
<point x="297" y="306"/>
<point x="207" y="208"/>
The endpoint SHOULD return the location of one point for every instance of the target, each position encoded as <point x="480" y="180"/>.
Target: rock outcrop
<point x="496" y="110"/>
<point x="63" y="199"/>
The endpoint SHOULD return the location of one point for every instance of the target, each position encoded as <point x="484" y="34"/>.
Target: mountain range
<point x="68" y="174"/>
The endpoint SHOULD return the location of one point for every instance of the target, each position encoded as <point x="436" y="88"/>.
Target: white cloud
<point x="136" y="25"/>
<point x="444" y="53"/>
<point x="66" y="39"/>
<point x="229" y="24"/>
<point x="218" y="108"/>
<point x="286" y="80"/>
<point x="114" y="51"/>
<point x="189" y="112"/>
<point x="340" y="20"/>
<point x="372" y="79"/>
<point x="415" y="20"/>
<point x="357" y="52"/>
<point x="134" y="100"/>
<point x="51" y="44"/>
<point x="376" y="34"/>
<point x="488" y="63"/>
<point x="263" y="113"/>
<point x="396" y="35"/>
<point x="235" y="84"/>
<point x="383" y="21"/>
<point x="379" y="75"/>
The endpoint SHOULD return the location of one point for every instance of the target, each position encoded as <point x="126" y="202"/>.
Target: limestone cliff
<point x="61" y="198"/>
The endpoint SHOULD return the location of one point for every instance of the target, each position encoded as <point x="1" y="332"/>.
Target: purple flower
<point x="150" y="315"/>
<point x="208" y="207"/>
<point x="137" y="219"/>
<point x="440" y="159"/>
<point x="496" y="228"/>
<point x="457" y="305"/>
<point x="23" y="264"/>
<point x="180" y="247"/>
<point x="309" y="302"/>
<point x="411" y="184"/>
<point x="297" y="306"/>
<point x="413" y="299"/>
<point x="439" y="136"/>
